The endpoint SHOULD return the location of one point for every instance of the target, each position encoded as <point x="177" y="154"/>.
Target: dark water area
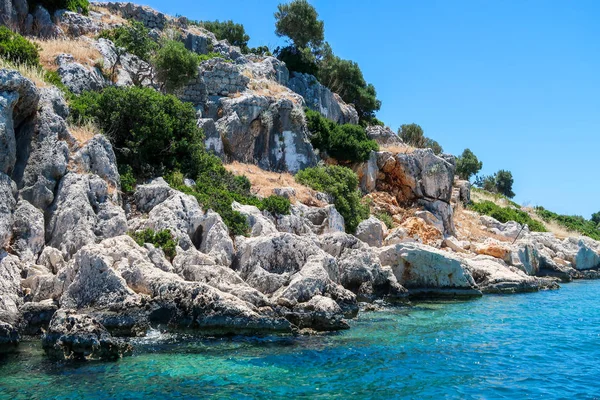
<point x="539" y="345"/>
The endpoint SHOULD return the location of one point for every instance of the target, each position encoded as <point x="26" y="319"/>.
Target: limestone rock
<point x="151" y="194"/>
<point x="10" y="288"/>
<point x="259" y="224"/>
<point x="320" y="98"/>
<point x="319" y="313"/>
<point x="97" y="157"/>
<point x="424" y="270"/>
<point x="77" y="77"/>
<point x="7" y="207"/>
<point x="43" y="26"/>
<point x="305" y="220"/>
<point x="384" y="136"/>
<point x="493" y="248"/>
<point x="212" y="138"/>
<point x="215" y="239"/>
<point x="73" y="336"/>
<point x="83" y="213"/>
<point x="77" y="24"/>
<point x="37" y="316"/>
<point x="9" y="337"/>
<point x="372" y="231"/>
<point x="130" y="70"/>
<point x="28" y="231"/>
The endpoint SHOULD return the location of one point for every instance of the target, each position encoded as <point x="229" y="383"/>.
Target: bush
<point x="134" y="38"/>
<point x="589" y="228"/>
<point x="234" y="33"/>
<point x="175" y="65"/>
<point x="501" y="182"/>
<point x="468" y="165"/>
<point x="210" y="56"/>
<point x="15" y="48"/>
<point x="163" y="239"/>
<point x="505" y="214"/>
<point x="386" y="219"/>
<point x="82" y="6"/>
<point x="216" y="189"/>
<point x="151" y="132"/>
<point x="342" y="142"/>
<point x="342" y="184"/>
<point x="128" y="180"/>
<point x="262" y="51"/>
<point x="298" y="60"/>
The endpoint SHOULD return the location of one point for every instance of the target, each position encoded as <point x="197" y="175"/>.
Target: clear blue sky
<point x="516" y="81"/>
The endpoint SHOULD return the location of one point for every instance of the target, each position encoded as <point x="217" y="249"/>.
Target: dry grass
<point x="83" y="133"/>
<point x="468" y="227"/>
<point x="35" y="74"/>
<point x="558" y="230"/>
<point x="263" y="182"/>
<point x="82" y="50"/>
<point x="108" y="17"/>
<point x="480" y="195"/>
<point x="405" y="149"/>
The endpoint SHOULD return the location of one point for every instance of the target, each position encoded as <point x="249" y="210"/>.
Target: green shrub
<point x="574" y="223"/>
<point x="216" y="189"/>
<point x="468" y="164"/>
<point x="342" y="184"/>
<point x="501" y="182"/>
<point x="210" y="56"/>
<point x="128" y="180"/>
<point x="151" y="132"/>
<point x="82" y="6"/>
<point x="413" y="135"/>
<point x="175" y="65"/>
<point x="298" y="60"/>
<point x="234" y="33"/>
<point x="262" y="51"/>
<point x="343" y="142"/>
<point x="163" y="239"/>
<point x="386" y="219"/>
<point x="134" y="38"/>
<point x="15" y="48"/>
<point x="505" y="214"/>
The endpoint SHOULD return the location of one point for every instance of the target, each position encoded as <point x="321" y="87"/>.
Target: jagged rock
<point x="37" y="316"/>
<point x="74" y="336"/>
<point x="198" y="41"/>
<point x="77" y="24"/>
<point x="383" y="202"/>
<point x="13" y="13"/>
<point x="320" y="98"/>
<point x="43" y="26"/>
<point x="9" y="337"/>
<point x="270" y="132"/>
<point x="8" y="203"/>
<point x="305" y="220"/>
<point x="43" y="151"/>
<point x="384" y="136"/>
<point x="510" y="229"/>
<point x="426" y="271"/>
<point x="493" y="248"/>
<point x="52" y="259"/>
<point x="18" y="102"/>
<point x="269" y="68"/>
<point x="83" y="213"/>
<point x="336" y="243"/>
<point x="41" y="284"/>
<point x="285" y="192"/>
<point x="362" y="273"/>
<point x="367" y="173"/>
<point x="28" y="231"/>
<point x="372" y="231"/>
<point x="130" y="70"/>
<point x="453" y="243"/>
<point x="462" y="192"/>
<point x="588" y="255"/>
<point x="495" y="277"/>
<point x="444" y="212"/>
<point x="151" y="194"/>
<point x="97" y="157"/>
<point x="230" y="52"/>
<point x="319" y="313"/>
<point x="259" y="224"/>
<point x="215" y="239"/>
<point x="150" y="18"/>
<point x="397" y="236"/>
<point x="77" y="77"/>
<point x="96" y="283"/>
<point x="212" y="138"/>
<point x="10" y="288"/>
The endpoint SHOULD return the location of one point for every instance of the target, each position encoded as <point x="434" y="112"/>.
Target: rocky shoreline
<point x="70" y="273"/>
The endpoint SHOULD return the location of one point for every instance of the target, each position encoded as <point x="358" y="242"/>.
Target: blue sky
<point x="517" y="82"/>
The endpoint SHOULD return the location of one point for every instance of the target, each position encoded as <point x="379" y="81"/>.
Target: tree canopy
<point x="234" y="33"/>
<point x="412" y="134"/>
<point x="298" y="20"/>
<point x="468" y="165"/>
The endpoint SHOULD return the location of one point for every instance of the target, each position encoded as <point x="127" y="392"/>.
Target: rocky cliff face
<point x="68" y="266"/>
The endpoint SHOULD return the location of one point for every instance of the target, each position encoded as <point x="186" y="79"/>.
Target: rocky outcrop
<point x="150" y="18"/>
<point x="426" y="271"/>
<point x="128" y="69"/>
<point x="305" y="220"/>
<point x="384" y="136"/>
<point x="76" y="24"/>
<point x="372" y="231"/>
<point x="319" y="98"/>
<point x="73" y="336"/>
<point x="77" y="77"/>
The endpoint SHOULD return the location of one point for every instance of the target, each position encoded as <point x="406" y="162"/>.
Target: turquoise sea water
<point x="540" y="345"/>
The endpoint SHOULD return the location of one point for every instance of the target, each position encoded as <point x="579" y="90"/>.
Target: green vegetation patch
<point x="81" y="6"/>
<point x="343" y="142"/>
<point x="505" y="214"/>
<point x="15" y="48"/>
<point x="342" y="184"/>
<point x="574" y="223"/>
<point x="163" y="239"/>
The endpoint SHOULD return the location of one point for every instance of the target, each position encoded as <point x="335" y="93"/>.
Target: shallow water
<point x="540" y="345"/>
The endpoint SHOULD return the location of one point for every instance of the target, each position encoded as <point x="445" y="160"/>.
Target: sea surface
<point x="540" y="345"/>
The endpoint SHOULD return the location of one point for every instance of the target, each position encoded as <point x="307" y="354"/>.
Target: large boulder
<point x="75" y="336"/>
<point x="426" y="271"/>
<point x="384" y="136"/>
<point x="84" y="212"/>
<point x="320" y="98"/>
<point x="305" y="220"/>
<point x="97" y="157"/>
<point x="129" y="69"/>
<point x="10" y="288"/>
<point x="28" y="231"/>
<point x="77" y="77"/>
<point x="372" y="231"/>
<point x="268" y="131"/>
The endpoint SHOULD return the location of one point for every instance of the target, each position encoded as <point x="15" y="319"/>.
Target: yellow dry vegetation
<point x="107" y="16"/>
<point x="82" y="50"/>
<point x="403" y="148"/>
<point x="35" y="74"/>
<point x="468" y="226"/>
<point x="83" y="133"/>
<point x="263" y="182"/>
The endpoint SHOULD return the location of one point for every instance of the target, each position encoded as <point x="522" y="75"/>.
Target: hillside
<point x="153" y="175"/>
